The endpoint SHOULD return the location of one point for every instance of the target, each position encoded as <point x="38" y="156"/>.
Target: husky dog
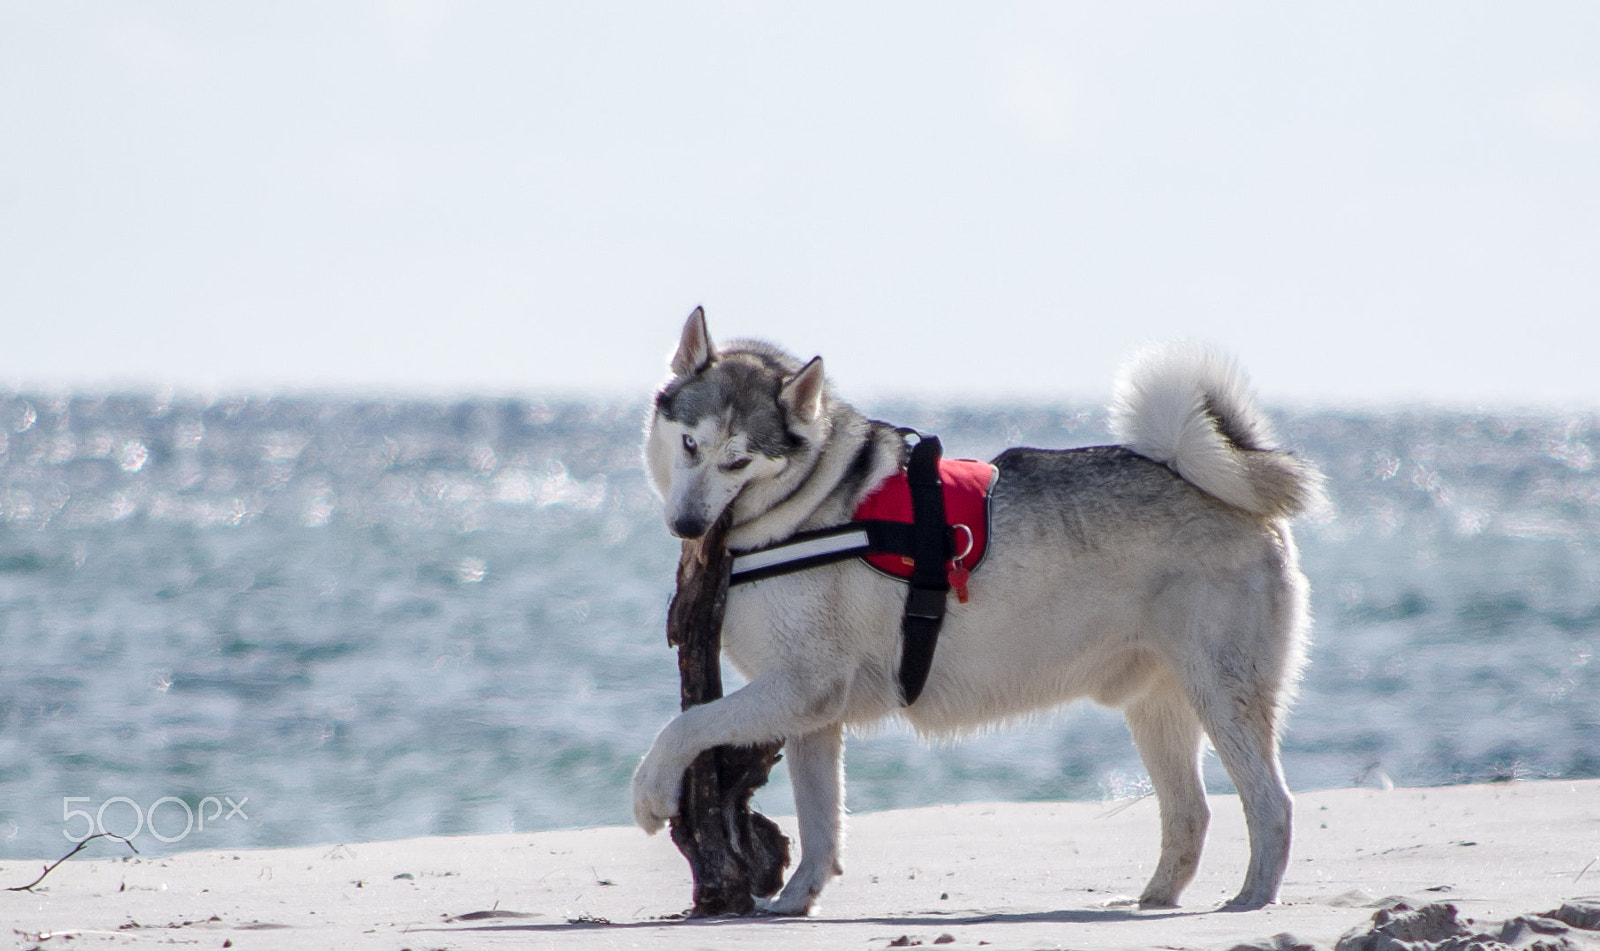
<point x="1157" y="576"/>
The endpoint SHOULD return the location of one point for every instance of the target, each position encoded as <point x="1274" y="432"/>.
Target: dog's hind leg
<point x="1240" y="718"/>
<point x="816" y="769"/>
<point x="1167" y="732"/>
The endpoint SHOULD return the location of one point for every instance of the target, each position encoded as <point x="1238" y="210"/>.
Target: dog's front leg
<point x="816" y="769"/>
<point x="771" y="707"/>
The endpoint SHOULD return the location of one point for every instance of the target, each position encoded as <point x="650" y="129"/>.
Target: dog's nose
<point x="689" y="526"/>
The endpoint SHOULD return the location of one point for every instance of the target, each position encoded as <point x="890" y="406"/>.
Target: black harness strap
<point x="930" y="549"/>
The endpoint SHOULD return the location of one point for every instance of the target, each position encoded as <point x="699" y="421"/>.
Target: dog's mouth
<point x="690" y="526"/>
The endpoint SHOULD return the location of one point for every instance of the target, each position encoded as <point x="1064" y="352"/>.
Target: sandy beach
<point x="994" y="875"/>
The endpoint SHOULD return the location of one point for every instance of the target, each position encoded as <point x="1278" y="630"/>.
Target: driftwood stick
<point x="734" y="853"/>
<point x="79" y="848"/>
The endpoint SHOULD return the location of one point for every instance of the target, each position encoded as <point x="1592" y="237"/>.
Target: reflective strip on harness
<point x="845" y="544"/>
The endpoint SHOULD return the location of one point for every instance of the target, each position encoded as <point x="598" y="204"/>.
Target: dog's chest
<point x="750" y="639"/>
<point x="821" y="619"/>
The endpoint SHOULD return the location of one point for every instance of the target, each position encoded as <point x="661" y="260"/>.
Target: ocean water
<point x="271" y="622"/>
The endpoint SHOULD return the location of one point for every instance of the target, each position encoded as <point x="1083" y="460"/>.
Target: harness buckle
<point x="925" y="603"/>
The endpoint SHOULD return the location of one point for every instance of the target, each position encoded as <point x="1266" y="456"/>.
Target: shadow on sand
<point x="925" y="920"/>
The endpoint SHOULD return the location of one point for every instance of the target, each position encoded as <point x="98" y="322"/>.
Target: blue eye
<point x="689" y="445"/>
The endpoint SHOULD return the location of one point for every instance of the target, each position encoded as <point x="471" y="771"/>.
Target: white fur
<point x="1165" y="406"/>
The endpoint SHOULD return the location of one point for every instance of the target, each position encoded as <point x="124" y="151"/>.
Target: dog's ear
<point x="695" y="351"/>
<point x="801" y="396"/>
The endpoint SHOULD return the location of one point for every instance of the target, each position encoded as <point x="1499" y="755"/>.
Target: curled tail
<point x="1190" y="407"/>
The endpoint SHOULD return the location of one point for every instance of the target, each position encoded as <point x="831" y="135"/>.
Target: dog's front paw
<point x="655" y="796"/>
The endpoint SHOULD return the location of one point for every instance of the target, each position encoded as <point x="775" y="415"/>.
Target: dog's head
<point x="731" y="427"/>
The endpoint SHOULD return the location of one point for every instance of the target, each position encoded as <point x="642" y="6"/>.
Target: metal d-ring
<point x="971" y="541"/>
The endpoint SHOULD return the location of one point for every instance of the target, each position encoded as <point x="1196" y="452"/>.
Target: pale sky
<point x="1370" y="203"/>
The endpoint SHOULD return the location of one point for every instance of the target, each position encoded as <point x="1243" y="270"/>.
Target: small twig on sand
<point x="1129" y="804"/>
<point x="1586" y="868"/>
<point x="76" y="849"/>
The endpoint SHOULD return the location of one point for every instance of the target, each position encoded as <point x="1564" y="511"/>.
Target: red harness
<point x="966" y="509"/>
